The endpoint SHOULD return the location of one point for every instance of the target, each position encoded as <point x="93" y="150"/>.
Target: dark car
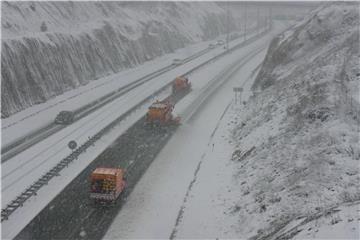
<point x="177" y="61"/>
<point x="220" y="42"/>
<point x="64" y="117"/>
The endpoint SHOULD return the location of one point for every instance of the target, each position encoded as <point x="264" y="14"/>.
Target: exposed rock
<point x="51" y="47"/>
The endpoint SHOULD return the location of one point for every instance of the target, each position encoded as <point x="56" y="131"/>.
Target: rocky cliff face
<point x="51" y="47"/>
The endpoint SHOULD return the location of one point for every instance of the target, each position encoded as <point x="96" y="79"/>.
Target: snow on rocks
<point x="297" y="153"/>
<point x="49" y="48"/>
<point x="335" y="223"/>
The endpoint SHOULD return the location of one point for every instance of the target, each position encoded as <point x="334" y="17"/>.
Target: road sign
<point x="72" y="145"/>
<point x="238" y="89"/>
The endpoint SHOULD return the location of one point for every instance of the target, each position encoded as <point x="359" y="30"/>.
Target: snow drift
<point x="51" y="47"/>
<point x="297" y="153"/>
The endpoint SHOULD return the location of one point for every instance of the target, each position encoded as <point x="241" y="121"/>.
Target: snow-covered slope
<point x="51" y="47"/>
<point x="298" y="152"/>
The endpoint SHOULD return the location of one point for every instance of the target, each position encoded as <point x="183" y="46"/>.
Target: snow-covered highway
<point x="39" y="158"/>
<point x="180" y="120"/>
<point x="185" y="183"/>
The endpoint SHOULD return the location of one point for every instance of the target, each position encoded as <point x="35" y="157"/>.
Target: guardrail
<point x="17" y="146"/>
<point x="44" y="179"/>
<point x="25" y="142"/>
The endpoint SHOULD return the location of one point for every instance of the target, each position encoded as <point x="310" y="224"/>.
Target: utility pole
<point x="257" y="20"/>
<point x="270" y="17"/>
<point x="245" y="21"/>
<point x="228" y="26"/>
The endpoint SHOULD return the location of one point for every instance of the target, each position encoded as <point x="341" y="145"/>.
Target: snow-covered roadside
<point x="297" y="139"/>
<point x="337" y="223"/>
<point x="195" y="155"/>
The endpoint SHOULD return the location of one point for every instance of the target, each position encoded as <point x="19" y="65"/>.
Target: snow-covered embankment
<point x="297" y="148"/>
<point x="49" y="48"/>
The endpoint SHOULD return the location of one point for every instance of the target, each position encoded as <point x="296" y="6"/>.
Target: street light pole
<point x="228" y="26"/>
<point x="270" y="17"/>
<point x="245" y="21"/>
<point x="257" y="20"/>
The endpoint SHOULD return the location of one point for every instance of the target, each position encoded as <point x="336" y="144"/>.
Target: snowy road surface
<point x="15" y="178"/>
<point x="183" y="192"/>
<point x="41" y="157"/>
<point x="133" y="151"/>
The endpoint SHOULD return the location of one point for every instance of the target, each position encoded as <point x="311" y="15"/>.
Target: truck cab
<point x="160" y="114"/>
<point x="106" y="184"/>
<point x="181" y="84"/>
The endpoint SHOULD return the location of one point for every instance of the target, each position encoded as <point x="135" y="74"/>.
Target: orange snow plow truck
<point x="106" y="184"/>
<point x="160" y="114"/>
<point x="181" y="84"/>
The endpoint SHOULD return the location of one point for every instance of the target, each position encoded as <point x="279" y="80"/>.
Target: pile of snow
<point x="52" y="47"/>
<point x="297" y="139"/>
